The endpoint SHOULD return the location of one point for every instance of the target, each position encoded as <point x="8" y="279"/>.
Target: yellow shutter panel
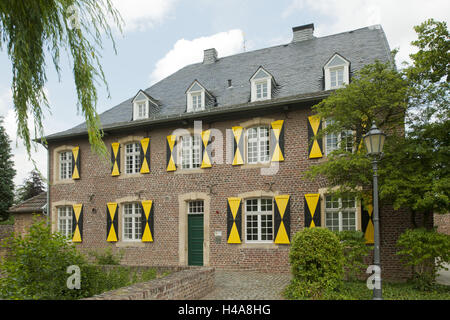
<point x="77" y="223"/>
<point x="115" y="159"/>
<point x="282" y="217"/>
<point x="147" y="221"/>
<point x="315" y="149"/>
<point x="277" y="141"/>
<point x="238" y="146"/>
<point x="206" y="152"/>
<point x="171" y="153"/>
<point x="312" y="210"/>
<point x="367" y="220"/>
<point x="112" y="223"/>
<point x="76" y="163"/>
<point x="145" y="155"/>
<point x="234" y="220"/>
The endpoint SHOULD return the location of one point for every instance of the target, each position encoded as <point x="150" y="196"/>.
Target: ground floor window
<point x="196" y="207"/>
<point x="65" y="221"/>
<point x="259" y="220"/>
<point x="340" y="213"/>
<point x="132" y="221"/>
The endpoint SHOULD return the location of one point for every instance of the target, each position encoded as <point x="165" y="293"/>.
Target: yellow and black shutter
<point x="277" y="141"/>
<point x="171" y="153"/>
<point x="112" y="223"/>
<point x="315" y="148"/>
<point x="206" y="149"/>
<point x="367" y="221"/>
<point x="282" y="217"/>
<point x="238" y="146"/>
<point x="145" y="155"/>
<point x="312" y="210"/>
<point x="147" y="221"/>
<point x="234" y="220"/>
<point x="76" y="163"/>
<point x="115" y="159"/>
<point x="77" y="223"/>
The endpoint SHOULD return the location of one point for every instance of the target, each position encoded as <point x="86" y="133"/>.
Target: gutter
<point x="214" y="112"/>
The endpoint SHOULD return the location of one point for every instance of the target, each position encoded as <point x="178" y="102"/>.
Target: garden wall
<point x="188" y="284"/>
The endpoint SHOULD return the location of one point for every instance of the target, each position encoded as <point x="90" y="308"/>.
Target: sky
<point x="161" y="36"/>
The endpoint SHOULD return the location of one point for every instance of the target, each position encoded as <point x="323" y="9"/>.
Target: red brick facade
<point x="97" y="187"/>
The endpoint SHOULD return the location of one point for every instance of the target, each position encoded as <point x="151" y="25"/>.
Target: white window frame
<point x="344" y="66"/>
<point x="132" y="210"/>
<point x="190" y="151"/>
<point x="195" y="207"/>
<point x="340" y="210"/>
<point x="132" y="158"/>
<point x="65" y="165"/>
<point x="138" y="115"/>
<point x="65" y="220"/>
<point x="259" y="213"/>
<point x="261" y="158"/>
<point x="254" y="83"/>
<point x="191" y="107"/>
<point x="197" y="101"/>
<point x="328" y="136"/>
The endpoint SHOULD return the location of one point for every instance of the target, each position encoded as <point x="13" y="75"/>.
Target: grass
<point x="357" y="290"/>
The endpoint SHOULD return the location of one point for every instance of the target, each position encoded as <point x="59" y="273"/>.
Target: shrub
<point x="355" y="249"/>
<point x="317" y="263"/>
<point x="426" y="251"/>
<point x="106" y="257"/>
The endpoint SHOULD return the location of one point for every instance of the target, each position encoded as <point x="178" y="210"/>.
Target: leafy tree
<point x="7" y="173"/>
<point x="31" y="29"/>
<point x="32" y="186"/>
<point x="411" y="106"/>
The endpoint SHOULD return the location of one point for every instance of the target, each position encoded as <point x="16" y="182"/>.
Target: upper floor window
<point x="336" y="72"/>
<point x="261" y="85"/>
<point x="335" y="141"/>
<point x="65" y="220"/>
<point x="340" y="213"/>
<point x="132" y="158"/>
<point x="65" y="165"/>
<point x="197" y="103"/>
<point x="258" y="145"/>
<point x="141" y="105"/>
<point x="196" y="96"/>
<point x="259" y="220"/>
<point x="191" y="152"/>
<point x="132" y="221"/>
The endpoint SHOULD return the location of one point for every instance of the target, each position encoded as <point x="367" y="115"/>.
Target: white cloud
<point x="396" y="17"/>
<point x="143" y="14"/>
<point x="186" y="52"/>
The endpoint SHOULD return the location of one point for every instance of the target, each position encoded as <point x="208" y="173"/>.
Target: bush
<point x="426" y="251"/>
<point x="317" y="263"/>
<point x="106" y="257"/>
<point x="355" y="249"/>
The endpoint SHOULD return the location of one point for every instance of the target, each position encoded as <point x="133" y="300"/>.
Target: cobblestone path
<point x="248" y="285"/>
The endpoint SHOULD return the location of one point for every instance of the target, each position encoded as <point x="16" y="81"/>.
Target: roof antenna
<point x="243" y="36"/>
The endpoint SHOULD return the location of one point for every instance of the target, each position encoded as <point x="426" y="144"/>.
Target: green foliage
<point x="107" y="257"/>
<point x="355" y="249"/>
<point x="29" y="29"/>
<point x="7" y="173"/>
<point x="32" y="186"/>
<point x="426" y="251"/>
<point x="36" y="268"/>
<point x="317" y="262"/>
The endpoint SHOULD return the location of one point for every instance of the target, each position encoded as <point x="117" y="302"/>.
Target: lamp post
<point x="374" y="141"/>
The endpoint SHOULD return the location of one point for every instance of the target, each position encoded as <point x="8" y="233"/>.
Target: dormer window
<point x="262" y="84"/>
<point x="198" y="98"/>
<point x="141" y="105"/>
<point x="336" y="72"/>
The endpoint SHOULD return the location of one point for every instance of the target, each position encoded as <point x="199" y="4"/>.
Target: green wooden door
<point x="195" y="239"/>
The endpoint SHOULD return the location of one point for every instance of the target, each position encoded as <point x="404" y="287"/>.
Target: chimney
<point x="302" y="33"/>
<point x="210" y="56"/>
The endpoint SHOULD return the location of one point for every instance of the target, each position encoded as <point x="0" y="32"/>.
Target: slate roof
<point x="33" y="205"/>
<point x="296" y="66"/>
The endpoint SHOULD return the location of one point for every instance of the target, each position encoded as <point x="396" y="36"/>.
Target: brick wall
<point x="23" y="221"/>
<point x="442" y="222"/>
<point x="96" y="187"/>
<point x="5" y="232"/>
<point x="188" y="284"/>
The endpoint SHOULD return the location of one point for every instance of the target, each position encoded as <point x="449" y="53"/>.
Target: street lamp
<point x="374" y="141"/>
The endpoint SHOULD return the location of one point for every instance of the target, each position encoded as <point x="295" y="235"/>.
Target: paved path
<point x="444" y="276"/>
<point x="248" y="285"/>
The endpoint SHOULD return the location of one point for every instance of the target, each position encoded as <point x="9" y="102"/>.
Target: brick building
<point x="28" y="211"/>
<point x="207" y="165"/>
